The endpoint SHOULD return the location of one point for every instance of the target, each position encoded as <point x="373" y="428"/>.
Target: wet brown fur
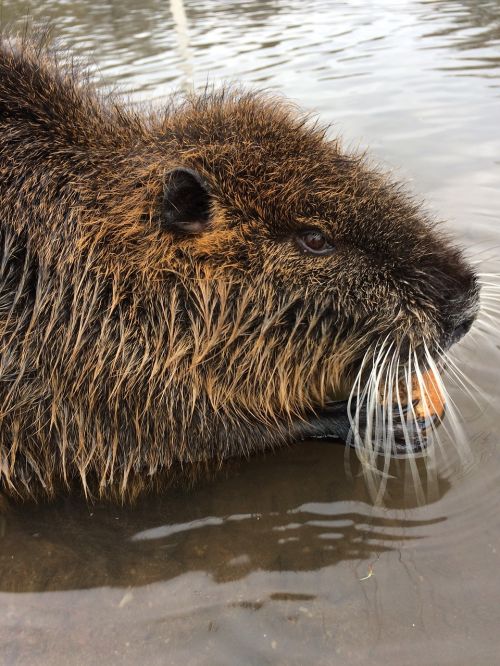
<point x="127" y="349"/>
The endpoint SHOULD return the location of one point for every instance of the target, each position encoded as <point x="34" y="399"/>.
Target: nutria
<point x="201" y="282"/>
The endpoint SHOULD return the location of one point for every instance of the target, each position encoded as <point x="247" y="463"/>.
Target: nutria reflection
<point x="290" y="511"/>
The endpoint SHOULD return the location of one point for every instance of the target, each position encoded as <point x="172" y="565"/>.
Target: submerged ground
<point x="284" y="560"/>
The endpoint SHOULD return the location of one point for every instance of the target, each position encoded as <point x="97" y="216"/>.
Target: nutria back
<point x="196" y="283"/>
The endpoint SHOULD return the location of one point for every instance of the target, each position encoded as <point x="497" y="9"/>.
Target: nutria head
<point x="205" y="281"/>
<point x="339" y="269"/>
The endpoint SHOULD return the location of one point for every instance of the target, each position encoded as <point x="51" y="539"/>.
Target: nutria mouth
<point x="405" y="425"/>
<point x="409" y="436"/>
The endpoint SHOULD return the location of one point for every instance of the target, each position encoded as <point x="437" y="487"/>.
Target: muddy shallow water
<point x="284" y="559"/>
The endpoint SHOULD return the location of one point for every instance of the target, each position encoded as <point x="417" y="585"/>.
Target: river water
<point x="284" y="559"/>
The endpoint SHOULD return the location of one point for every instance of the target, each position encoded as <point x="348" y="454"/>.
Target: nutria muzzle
<point x="405" y="427"/>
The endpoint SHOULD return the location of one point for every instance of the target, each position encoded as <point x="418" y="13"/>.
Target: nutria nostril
<point x="463" y="328"/>
<point x="459" y="331"/>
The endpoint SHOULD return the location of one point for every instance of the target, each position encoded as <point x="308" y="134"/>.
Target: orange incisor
<point x="426" y="396"/>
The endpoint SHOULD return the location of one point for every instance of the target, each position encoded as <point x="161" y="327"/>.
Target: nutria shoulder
<point x="193" y="283"/>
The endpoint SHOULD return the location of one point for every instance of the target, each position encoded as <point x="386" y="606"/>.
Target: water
<point x="283" y="559"/>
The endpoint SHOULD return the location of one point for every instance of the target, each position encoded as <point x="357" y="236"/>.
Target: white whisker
<point x="455" y="422"/>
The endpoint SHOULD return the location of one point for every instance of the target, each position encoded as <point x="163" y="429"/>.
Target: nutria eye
<point x="314" y="242"/>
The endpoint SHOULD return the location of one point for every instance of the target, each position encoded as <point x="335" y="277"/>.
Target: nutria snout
<point x="202" y="282"/>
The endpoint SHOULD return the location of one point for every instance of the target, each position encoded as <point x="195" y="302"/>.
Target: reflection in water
<point x="181" y="28"/>
<point x="283" y="560"/>
<point x="471" y="25"/>
<point x="274" y="514"/>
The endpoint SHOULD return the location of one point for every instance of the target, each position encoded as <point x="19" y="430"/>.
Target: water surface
<point x="283" y="559"/>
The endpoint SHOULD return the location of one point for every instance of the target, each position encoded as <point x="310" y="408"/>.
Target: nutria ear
<point x="186" y="202"/>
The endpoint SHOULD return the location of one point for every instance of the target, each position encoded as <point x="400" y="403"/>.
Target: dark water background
<point x="283" y="560"/>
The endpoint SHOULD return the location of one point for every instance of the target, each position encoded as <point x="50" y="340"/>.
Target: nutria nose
<point x="461" y="329"/>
